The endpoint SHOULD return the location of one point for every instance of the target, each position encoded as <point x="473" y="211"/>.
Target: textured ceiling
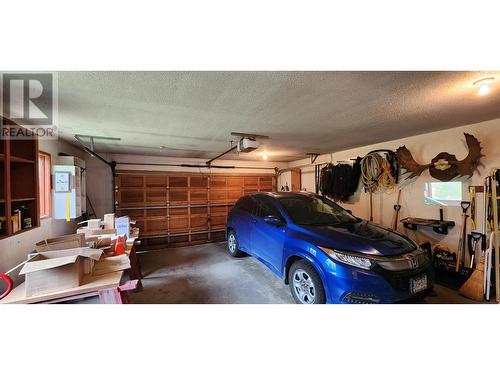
<point x="192" y="114"/>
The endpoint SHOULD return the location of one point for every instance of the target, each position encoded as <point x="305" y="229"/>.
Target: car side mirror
<point x="274" y="220"/>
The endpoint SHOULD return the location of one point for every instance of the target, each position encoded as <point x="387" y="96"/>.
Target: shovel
<point x="463" y="230"/>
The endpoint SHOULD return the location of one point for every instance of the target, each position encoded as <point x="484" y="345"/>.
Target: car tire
<point x="233" y="246"/>
<point x="305" y="284"/>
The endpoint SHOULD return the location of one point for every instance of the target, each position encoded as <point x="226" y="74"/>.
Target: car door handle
<point x="254" y="221"/>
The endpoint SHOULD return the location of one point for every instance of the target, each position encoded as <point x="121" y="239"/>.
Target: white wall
<point x="14" y="249"/>
<point x="99" y="178"/>
<point x="423" y="148"/>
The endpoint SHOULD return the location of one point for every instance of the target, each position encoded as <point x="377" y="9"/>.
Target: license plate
<point x="419" y="283"/>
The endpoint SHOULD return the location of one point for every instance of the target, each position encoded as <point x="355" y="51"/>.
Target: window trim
<point x="45" y="199"/>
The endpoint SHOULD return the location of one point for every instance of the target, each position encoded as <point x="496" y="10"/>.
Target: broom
<point x="473" y="288"/>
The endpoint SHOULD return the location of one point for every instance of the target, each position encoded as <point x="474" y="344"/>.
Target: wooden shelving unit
<point x="18" y="181"/>
<point x="177" y="209"/>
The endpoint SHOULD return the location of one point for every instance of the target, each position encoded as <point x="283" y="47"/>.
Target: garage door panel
<point x="179" y="224"/>
<point x="198" y="195"/>
<point x="157" y="226"/>
<point x="130" y="198"/>
<point x="198" y="182"/>
<point x="183" y="208"/>
<point x="133" y="214"/>
<point x="218" y="220"/>
<point x="235" y="182"/>
<point x="153" y="212"/>
<point x="234" y="195"/>
<point x="156" y="182"/>
<point x="199" y="222"/>
<point x="199" y="211"/>
<point x="130" y="181"/>
<point x="251" y="182"/>
<point x="156" y="197"/>
<point x="218" y="182"/>
<point x="178" y="197"/>
<point x="266" y="182"/>
<point x="218" y="195"/>
<point x="178" y="211"/>
<point x="218" y="209"/>
<point x="178" y="182"/>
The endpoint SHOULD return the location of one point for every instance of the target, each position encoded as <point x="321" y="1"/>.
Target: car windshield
<point x="316" y="210"/>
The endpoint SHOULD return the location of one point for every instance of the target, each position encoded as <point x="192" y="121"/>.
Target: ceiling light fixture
<point x="483" y="85"/>
<point x="264" y="156"/>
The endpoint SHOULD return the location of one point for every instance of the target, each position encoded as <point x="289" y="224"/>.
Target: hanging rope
<point x="376" y="173"/>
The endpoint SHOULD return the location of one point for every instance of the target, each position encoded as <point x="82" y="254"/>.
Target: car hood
<point x="361" y="237"/>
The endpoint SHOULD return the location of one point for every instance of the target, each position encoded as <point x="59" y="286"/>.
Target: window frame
<point x="45" y="172"/>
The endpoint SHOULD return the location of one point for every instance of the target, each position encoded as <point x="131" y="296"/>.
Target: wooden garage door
<point x="172" y="209"/>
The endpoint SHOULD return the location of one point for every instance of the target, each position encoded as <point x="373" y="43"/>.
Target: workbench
<point x="108" y="287"/>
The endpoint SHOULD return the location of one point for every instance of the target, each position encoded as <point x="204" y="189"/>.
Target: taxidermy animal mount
<point x="444" y="166"/>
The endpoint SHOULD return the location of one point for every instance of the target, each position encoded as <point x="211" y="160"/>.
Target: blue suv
<point x="324" y="253"/>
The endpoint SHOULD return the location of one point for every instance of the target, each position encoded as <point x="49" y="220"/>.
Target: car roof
<point x="282" y="194"/>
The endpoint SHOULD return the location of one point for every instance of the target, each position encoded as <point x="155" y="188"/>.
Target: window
<point x="266" y="208"/>
<point x="44" y="183"/>
<point x="245" y="204"/>
<point x="443" y="193"/>
<point x="316" y="210"/>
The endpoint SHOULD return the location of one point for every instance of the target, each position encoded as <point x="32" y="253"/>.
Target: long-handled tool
<point x="473" y="239"/>
<point x="473" y="288"/>
<point x="463" y="231"/>
<point x="487" y="268"/>
<point x="397" y="208"/>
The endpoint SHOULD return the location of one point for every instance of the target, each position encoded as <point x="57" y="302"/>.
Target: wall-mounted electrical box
<point x="68" y="187"/>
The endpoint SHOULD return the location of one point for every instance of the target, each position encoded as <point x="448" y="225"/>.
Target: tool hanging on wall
<point x="488" y="266"/>
<point x="463" y="230"/>
<point x="472" y="197"/>
<point x="473" y="240"/>
<point x="495" y="177"/>
<point x="397" y="208"/>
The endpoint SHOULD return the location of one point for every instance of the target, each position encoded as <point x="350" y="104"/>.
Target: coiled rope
<point x="376" y="173"/>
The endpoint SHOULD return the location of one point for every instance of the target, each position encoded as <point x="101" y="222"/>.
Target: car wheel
<point x="305" y="283"/>
<point x="232" y="244"/>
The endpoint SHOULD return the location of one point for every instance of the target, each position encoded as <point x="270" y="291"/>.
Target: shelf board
<point x="17" y="159"/>
<point x="22" y="199"/>
<point x="2" y="200"/>
<point x="23" y="230"/>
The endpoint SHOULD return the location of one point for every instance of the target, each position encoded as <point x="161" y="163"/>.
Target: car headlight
<point x="352" y="260"/>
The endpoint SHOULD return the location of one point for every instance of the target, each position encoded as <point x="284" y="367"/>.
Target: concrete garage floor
<point x="206" y="274"/>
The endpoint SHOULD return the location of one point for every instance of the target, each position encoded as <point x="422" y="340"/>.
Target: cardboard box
<point x="111" y="264"/>
<point x="89" y="233"/>
<point x="70" y="241"/>
<point x="56" y="270"/>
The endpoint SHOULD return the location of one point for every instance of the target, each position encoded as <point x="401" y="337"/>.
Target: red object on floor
<point x="120" y="246"/>
<point x="9" y="282"/>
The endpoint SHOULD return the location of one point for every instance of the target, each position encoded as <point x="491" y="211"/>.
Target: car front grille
<point x="400" y="280"/>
